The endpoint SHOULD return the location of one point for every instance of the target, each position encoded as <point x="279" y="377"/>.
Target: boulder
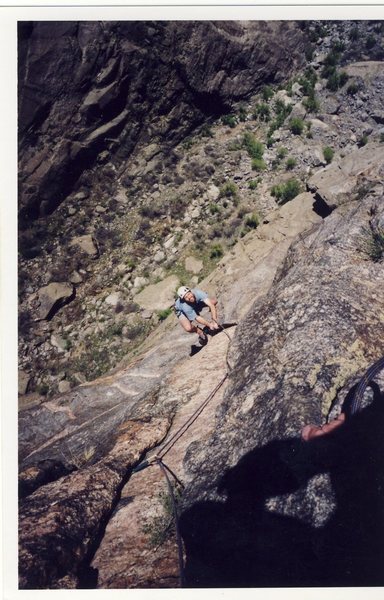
<point x="140" y="282"/>
<point x="159" y="256"/>
<point x="75" y="277"/>
<point x="193" y="265"/>
<point x="158" y="296"/>
<point x="30" y="400"/>
<point x="52" y="297"/>
<point x="298" y="111"/>
<point x="86" y="244"/>
<point x="59" y="342"/>
<point x="64" y="386"/>
<point x="338" y="181"/>
<point x="113" y="299"/>
<point x="213" y="192"/>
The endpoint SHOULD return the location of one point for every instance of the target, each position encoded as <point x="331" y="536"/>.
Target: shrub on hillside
<point x="282" y="152"/>
<point x="252" y="221"/>
<point x="352" y="89"/>
<point x="336" y="80"/>
<point x="311" y="103"/>
<point x="258" y="164"/>
<point x="163" y="314"/>
<point x="267" y="93"/>
<point x="354" y="34"/>
<point x="362" y="141"/>
<point x="254" y="148"/>
<point x="228" y="190"/>
<point x="296" y="126"/>
<point x="291" y="163"/>
<point x="328" y="154"/>
<point x="216" y="251"/>
<point x="242" y="114"/>
<point x="262" y="112"/>
<point x="229" y="120"/>
<point x="283" y="192"/>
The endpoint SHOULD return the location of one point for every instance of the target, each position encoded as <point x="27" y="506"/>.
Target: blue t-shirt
<point x="191" y="310"/>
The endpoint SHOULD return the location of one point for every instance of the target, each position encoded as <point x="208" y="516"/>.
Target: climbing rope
<point x="158" y="458"/>
<point x="189" y="422"/>
<point x="364" y="381"/>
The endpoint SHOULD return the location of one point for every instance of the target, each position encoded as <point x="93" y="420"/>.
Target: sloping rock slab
<point x="337" y="183"/>
<point x="259" y="496"/>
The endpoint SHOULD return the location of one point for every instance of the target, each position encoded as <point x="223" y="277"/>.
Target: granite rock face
<point x="303" y="293"/>
<point x="92" y="88"/>
<point x="295" y="350"/>
<point x="250" y="481"/>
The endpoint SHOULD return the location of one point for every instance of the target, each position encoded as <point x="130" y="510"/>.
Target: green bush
<point x="309" y="51"/>
<point x="252" y="184"/>
<point x="338" y="46"/>
<point x="206" y="131"/>
<point x="258" y="164"/>
<point x="307" y="81"/>
<point x="372" y="243"/>
<point x="163" y="314"/>
<point x="352" y="89"/>
<point x="216" y="251"/>
<point x="234" y="145"/>
<point x="362" y="141"/>
<point x="296" y="126"/>
<point x="229" y="120"/>
<point x="291" y="163"/>
<point x="242" y="114"/>
<point x="254" y="148"/>
<point x="282" y="111"/>
<point x="262" y="112"/>
<point x="252" y="221"/>
<point x="267" y="93"/>
<point x="331" y="60"/>
<point x="284" y="192"/>
<point x="213" y="208"/>
<point x="336" y="80"/>
<point x="116" y="329"/>
<point x="328" y="154"/>
<point x="317" y="33"/>
<point x="243" y="209"/>
<point x="282" y="152"/>
<point x="228" y="190"/>
<point x="311" y="103"/>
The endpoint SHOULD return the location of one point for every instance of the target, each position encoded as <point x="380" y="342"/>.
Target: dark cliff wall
<point x="91" y="87"/>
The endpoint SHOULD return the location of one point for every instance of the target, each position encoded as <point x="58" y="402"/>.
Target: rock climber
<point x="189" y="304"/>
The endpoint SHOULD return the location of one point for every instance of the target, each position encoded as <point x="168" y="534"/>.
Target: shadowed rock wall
<point x="92" y="87"/>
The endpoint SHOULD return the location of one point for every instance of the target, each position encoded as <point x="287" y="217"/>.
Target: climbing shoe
<point x="203" y="340"/>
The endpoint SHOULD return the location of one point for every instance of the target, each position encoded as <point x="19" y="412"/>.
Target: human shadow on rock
<point x="239" y="543"/>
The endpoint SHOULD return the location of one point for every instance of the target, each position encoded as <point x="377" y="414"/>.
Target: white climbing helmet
<point x="182" y="291"/>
